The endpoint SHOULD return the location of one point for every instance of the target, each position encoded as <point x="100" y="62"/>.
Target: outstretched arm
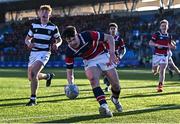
<point x="70" y="76"/>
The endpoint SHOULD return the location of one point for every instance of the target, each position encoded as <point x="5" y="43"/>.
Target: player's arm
<point x="69" y="68"/>
<point x="28" y="42"/>
<point x="58" y="40"/>
<point x="56" y="44"/>
<point x="122" y="53"/>
<point x="29" y="38"/>
<point x="122" y="48"/>
<point x="70" y="76"/>
<point x="172" y="45"/>
<point x="152" y="43"/>
<point x="110" y="41"/>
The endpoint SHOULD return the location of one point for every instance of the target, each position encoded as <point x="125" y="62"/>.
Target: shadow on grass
<point x="76" y="119"/>
<point x="151" y="86"/>
<point x="44" y="101"/>
<point x="133" y="112"/>
<point x="12" y="99"/>
<point x="174" y="84"/>
<point x="27" y="98"/>
<point x="63" y="85"/>
<point x="150" y="95"/>
<point x="147" y="110"/>
<point x="67" y="99"/>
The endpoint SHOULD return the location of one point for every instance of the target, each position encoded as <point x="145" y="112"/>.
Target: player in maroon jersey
<point x="89" y="45"/>
<point x="120" y="48"/>
<point x="162" y="42"/>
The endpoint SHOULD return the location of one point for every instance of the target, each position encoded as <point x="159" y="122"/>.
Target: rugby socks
<point x="160" y="83"/>
<point x="115" y="96"/>
<point x="99" y="94"/>
<point x="33" y="97"/>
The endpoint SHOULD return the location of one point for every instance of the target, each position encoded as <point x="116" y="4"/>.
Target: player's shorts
<point x="42" y="56"/>
<point x="100" y="61"/>
<point x="159" y="59"/>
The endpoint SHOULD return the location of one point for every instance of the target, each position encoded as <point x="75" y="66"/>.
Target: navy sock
<point x="99" y="94"/>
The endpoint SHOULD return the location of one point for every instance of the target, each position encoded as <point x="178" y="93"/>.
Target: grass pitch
<point x="141" y="102"/>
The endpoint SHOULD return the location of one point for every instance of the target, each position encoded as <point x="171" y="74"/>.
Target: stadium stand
<point x="136" y="29"/>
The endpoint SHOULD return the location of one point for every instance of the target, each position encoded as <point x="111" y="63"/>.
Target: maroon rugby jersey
<point x="161" y="39"/>
<point x="91" y="45"/>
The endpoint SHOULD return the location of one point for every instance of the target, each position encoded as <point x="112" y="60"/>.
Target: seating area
<point x="136" y="30"/>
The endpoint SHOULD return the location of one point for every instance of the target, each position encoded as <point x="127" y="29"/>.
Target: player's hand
<point x="171" y="46"/>
<point x="54" y="48"/>
<point x="158" y="46"/>
<point x="31" y="45"/>
<point x="118" y="56"/>
<point x="161" y="46"/>
<point x="113" y="58"/>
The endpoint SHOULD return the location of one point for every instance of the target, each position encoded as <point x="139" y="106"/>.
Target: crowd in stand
<point x="135" y="30"/>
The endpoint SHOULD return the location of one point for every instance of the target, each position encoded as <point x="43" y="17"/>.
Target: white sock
<point x="33" y="98"/>
<point x="104" y="105"/>
<point x="115" y="100"/>
<point x="48" y="76"/>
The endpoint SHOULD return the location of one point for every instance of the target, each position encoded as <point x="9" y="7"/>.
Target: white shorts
<point x="100" y="61"/>
<point x="42" y="56"/>
<point x="159" y="59"/>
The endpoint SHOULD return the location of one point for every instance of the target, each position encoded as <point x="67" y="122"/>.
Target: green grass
<point x="141" y="102"/>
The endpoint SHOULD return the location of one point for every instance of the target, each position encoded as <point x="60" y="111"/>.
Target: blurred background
<point x="137" y="21"/>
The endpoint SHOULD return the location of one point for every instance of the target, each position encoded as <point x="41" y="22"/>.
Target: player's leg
<point x="175" y="68"/>
<point x="93" y="74"/>
<point x="155" y="64"/>
<point x="48" y="77"/>
<point x="155" y="69"/>
<point x="42" y="76"/>
<point x="33" y="72"/>
<point x="170" y="67"/>
<point x="162" y="72"/>
<point x="107" y="83"/>
<point x="115" y="87"/>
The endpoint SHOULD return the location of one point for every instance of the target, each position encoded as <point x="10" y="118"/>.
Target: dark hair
<point x="113" y="25"/>
<point x="69" y="31"/>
